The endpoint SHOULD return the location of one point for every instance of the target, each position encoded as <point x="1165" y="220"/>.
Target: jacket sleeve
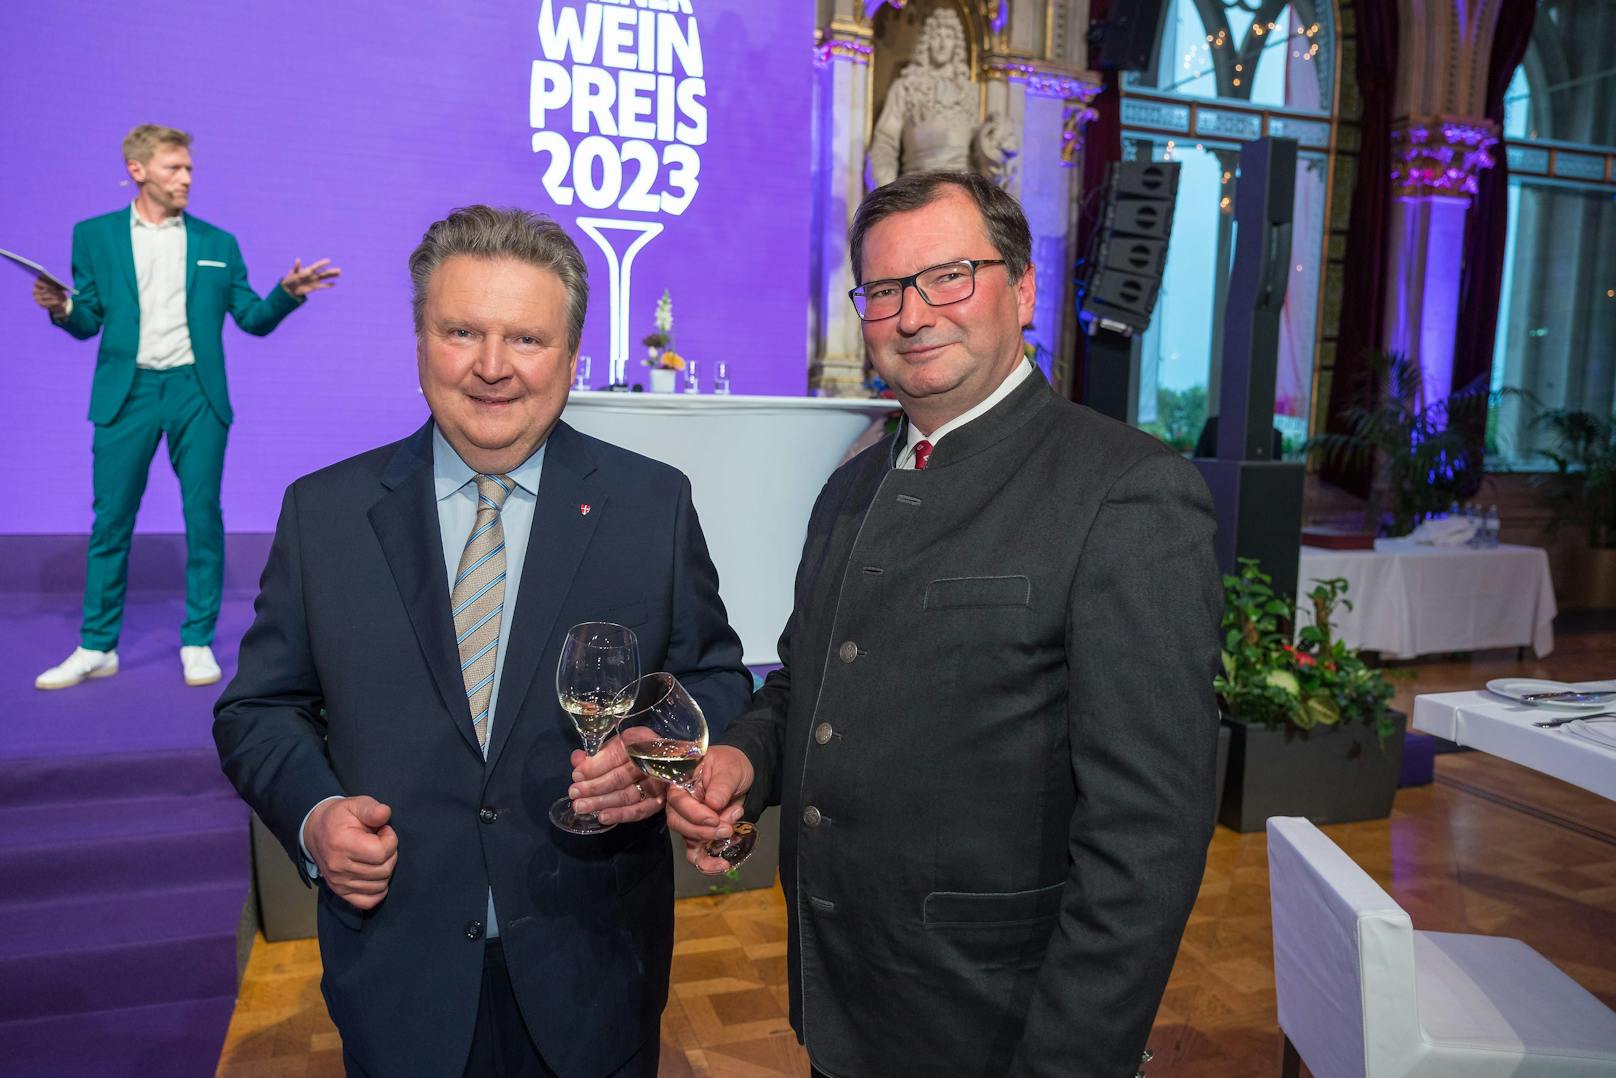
<point x="254" y="315"/>
<point x="269" y="726"/>
<point x="1141" y="654"/>
<point x="704" y="653"/>
<point x="84" y="320"/>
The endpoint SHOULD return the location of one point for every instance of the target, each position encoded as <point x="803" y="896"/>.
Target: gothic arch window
<point x="1225" y="72"/>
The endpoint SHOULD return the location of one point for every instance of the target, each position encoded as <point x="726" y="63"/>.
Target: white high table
<point x="755" y="464"/>
<point x="1504" y="728"/>
<point x="1409" y="599"/>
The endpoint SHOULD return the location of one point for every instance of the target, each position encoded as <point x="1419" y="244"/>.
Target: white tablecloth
<point x="755" y="464"/>
<point x="1504" y="729"/>
<point x="1410" y="600"/>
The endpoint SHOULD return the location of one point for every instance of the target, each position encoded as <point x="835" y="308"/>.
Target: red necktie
<point x="922" y="454"/>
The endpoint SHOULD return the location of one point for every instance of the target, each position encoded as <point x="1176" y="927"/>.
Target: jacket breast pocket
<point x="965" y="592"/>
<point x="984" y="908"/>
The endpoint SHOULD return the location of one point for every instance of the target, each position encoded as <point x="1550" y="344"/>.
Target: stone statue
<point x="929" y="118"/>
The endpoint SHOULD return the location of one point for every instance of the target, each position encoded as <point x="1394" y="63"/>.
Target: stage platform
<point x="123" y="850"/>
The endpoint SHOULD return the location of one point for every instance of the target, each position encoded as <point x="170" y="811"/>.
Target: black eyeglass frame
<point x="913" y="280"/>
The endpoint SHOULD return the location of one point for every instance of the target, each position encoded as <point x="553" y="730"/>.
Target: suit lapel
<point x="560" y="535"/>
<point x="123" y="251"/>
<point x="193" y="247"/>
<point x="406" y="523"/>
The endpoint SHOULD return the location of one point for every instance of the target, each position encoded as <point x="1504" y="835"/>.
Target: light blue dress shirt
<point x="456" y="492"/>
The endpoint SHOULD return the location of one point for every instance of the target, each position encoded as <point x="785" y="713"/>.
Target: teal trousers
<point x="163" y="405"/>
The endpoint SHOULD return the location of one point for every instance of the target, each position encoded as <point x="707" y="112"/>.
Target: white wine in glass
<point x="665" y="734"/>
<point x="598" y="660"/>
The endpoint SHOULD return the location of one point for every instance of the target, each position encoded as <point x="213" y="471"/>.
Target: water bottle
<point x="1492" y="525"/>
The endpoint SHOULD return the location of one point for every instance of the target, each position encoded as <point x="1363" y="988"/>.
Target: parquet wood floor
<point x="1490" y="848"/>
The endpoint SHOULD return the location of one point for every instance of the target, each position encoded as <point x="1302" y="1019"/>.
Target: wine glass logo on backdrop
<point x="618" y="107"/>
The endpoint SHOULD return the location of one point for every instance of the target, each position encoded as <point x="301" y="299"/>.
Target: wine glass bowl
<point x="599" y="659"/>
<point x="665" y="734"/>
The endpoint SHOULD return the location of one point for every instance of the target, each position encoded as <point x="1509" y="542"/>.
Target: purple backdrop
<point x="341" y="130"/>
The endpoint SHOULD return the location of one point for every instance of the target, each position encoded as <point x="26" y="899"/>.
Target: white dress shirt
<point x="165" y="333"/>
<point x="906" y="459"/>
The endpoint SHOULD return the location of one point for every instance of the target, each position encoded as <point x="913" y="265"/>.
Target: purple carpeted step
<point x="72" y="821"/>
<point x="155" y="947"/>
<point x="174" y="1040"/>
<point x="118" y="864"/>
<point x="51" y="779"/>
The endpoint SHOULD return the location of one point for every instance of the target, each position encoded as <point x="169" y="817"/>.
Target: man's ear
<point x="1026" y="295"/>
<point x="137" y="171"/>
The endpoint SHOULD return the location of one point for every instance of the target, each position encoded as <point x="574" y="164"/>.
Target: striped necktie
<point x="478" y="599"/>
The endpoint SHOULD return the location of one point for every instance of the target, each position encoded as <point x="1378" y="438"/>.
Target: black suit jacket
<point x="993" y="740"/>
<point x="349" y="683"/>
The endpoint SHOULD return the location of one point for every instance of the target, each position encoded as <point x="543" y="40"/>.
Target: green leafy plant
<point x="1318" y="681"/>
<point x="1180" y="415"/>
<point x="1426" y="454"/>
<point x="1582" y="490"/>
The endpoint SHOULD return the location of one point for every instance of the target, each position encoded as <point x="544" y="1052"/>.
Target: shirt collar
<point x="1006" y="387"/>
<point x="450" y="473"/>
<point x="137" y="221"/>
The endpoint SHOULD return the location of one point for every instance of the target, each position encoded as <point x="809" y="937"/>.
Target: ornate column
<point x="1044" y="106"/>
<point x="1439" y="147"/>
<point x="840" y="117"/>
<point x="1435" y="164"/>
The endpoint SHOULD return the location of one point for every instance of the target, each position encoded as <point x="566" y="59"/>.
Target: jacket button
<point x="848" y="651"/>
<point x="487" y="814"/>
<point x="474" y="930"/>
<point x="822" y="732"/>
<point x="810" y="816"/>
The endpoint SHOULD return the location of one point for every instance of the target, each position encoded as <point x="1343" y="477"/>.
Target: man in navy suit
<point x="394" y="719"/>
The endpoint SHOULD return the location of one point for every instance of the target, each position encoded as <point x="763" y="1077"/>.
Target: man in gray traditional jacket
<point x="992" y="736"/>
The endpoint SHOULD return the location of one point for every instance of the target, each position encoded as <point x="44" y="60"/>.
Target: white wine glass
<point x="665" y="735"/>
<point x="599" y="659"/>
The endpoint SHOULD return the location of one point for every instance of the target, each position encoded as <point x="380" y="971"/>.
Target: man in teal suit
<point x="156" y="283"/>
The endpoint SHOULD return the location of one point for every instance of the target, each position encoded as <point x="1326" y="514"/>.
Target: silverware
<point x="1569" y="696"/>
<point x="1554" y="724"/>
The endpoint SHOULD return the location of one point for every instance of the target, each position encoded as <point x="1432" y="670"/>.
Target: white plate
<point x="1513" y="688"/>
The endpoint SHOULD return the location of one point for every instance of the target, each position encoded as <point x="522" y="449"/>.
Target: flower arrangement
<point x="658" y="343"/>
<point x="1318" y="681"/>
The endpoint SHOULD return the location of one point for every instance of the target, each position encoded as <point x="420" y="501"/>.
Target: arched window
<point x="1225" y="72"/>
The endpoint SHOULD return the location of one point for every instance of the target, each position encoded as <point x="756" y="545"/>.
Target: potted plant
<point x="1581" y="495"/>
<point x="1426" y="455"/>
<point x="1311" y="730"/>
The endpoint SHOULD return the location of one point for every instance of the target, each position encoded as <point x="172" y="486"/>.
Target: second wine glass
<point x="599" y="659"/>
<point x="665" y="734"/>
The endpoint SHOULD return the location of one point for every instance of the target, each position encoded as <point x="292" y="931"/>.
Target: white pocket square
<point x="211" y="262"/>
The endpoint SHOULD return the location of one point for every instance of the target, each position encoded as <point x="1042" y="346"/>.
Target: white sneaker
<point x="201" y="668"/>
<point x="83" y="663"/>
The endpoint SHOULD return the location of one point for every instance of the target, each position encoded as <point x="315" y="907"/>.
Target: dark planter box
<point x="1329" y="774"/>
<point x="1224" y="735"/>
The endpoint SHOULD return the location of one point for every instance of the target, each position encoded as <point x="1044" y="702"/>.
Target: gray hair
<point x="1006" y="225"/>
<point x="488" y="232"/>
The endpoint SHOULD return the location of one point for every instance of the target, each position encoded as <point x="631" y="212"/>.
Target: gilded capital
<point x="1440" y="155"/>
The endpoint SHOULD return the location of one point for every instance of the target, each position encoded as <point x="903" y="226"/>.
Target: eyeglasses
<point x="938" y="285"/>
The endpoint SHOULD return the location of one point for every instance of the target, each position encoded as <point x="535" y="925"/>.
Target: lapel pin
<point x="583" y="510"/>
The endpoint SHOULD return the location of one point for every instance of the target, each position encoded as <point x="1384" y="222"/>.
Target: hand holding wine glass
<point x="599" y="659"/>
<point x="665" y="733"/>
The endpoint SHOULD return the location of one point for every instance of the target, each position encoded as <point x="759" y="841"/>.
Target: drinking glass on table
<point x="599" y="659"/>
<point x="665" y="734"/>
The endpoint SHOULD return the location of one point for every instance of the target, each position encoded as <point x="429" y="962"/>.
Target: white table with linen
<point x="1503" y="728"/>
<point x="1411" y="599"/>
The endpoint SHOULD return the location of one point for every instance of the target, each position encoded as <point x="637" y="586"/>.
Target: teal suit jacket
<point x="108" y="302"/>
